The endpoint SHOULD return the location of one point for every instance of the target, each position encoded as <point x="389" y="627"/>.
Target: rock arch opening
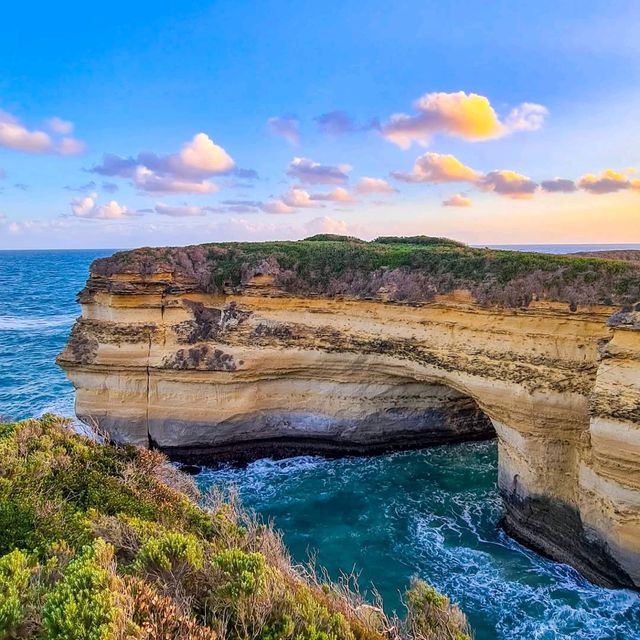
<point x="331" y="419"/>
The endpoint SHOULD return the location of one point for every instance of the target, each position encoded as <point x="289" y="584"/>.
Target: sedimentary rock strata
<point x="158" y="359"/>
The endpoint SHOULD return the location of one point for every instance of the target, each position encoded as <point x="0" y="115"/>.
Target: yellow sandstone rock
<point x="203" y="375"/>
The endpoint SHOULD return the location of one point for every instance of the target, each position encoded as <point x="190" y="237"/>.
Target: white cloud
<point x="183" y="172"/>
<point x="203" y="155"/>
<point x="14" y="135"/>
<point x="526" y="117"/>
<point x="558" y="185"/>
<point x="88" y="208"/>
<point x="374" y="185"/>
<point x="149" y="181"/>
<point x="298" y="198"/>
<point x="71" y="147"/>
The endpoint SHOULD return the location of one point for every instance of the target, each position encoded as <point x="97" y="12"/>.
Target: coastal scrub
<point x="105" y="542"/>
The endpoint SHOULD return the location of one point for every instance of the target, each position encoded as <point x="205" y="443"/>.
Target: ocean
<point x="429" y="513"/>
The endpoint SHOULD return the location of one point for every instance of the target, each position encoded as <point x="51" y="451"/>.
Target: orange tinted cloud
<point x="337" y="195"/>
<point x="374" y="185"/>
<point x="457" y="200"/>
<point x="468" y="116"/>
<point x="608" y="181"/>
<point x="437" y="168"/>
<point x="508" y="183"/>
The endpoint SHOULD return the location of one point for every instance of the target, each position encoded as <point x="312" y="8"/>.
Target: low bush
<point x="14" y="583"/>
<point x="84" y="604"/>
<point x="100" y="542"/>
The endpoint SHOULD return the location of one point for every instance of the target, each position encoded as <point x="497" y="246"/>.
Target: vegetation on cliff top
<point x="99" y="542"/>
<point x="404" y="269"/>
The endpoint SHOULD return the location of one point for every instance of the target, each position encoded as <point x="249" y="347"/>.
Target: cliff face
<point x="156" y="360"/>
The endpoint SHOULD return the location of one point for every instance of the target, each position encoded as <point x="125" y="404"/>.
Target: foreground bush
<point x="99" y="542"/>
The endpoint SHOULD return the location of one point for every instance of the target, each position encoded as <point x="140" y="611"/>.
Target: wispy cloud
<point x="276" y="206"/>
<point x="16" y="136"/>
<point x="58" y="125"/>
<point x="310" y="172"/>
<point x="110" y="187"/>
<point x="82" y="188"/>
<point x="178" y="211"/>
<point x="288" y="127"/>
<point x="374" y="185"/>
<point x="337" y="123"/>
<point x="340" y="194"/>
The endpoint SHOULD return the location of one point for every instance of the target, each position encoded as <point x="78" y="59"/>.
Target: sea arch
<point x="200" y="375"/>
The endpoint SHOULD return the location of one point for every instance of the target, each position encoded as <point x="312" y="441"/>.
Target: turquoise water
<point x="430" y="513"/>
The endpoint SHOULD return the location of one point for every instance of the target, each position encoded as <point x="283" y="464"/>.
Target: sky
<point x="139" y="123"/>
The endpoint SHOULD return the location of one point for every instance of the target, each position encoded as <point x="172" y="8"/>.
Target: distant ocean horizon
<point x="562" y="248"/>
<point x="536" y="248"/>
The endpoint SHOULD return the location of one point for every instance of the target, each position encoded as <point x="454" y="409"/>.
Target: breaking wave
<point x="431" y="513"/>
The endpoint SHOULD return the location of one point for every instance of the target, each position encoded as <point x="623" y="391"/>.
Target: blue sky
<point x="207" y="104"/>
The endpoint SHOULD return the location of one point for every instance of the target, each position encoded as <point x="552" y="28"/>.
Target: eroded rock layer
<point x="255" y="370"/>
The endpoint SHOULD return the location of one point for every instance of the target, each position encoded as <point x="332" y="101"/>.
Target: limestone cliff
<point x="177" y="354"/>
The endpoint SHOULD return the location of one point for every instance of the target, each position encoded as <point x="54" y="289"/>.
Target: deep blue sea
<point x="430" y="513"/>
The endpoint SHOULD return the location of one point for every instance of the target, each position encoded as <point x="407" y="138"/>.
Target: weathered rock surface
<point x="157" y="361"/>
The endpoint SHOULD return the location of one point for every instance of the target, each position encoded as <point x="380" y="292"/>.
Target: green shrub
<point x="431" y="615"/>
<point x="331" y="265"/>
<point x="169" y="551"/>
<point x="84" y="604"/>
<point x="242" y="573"/>
<point x="14" y="583"/>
